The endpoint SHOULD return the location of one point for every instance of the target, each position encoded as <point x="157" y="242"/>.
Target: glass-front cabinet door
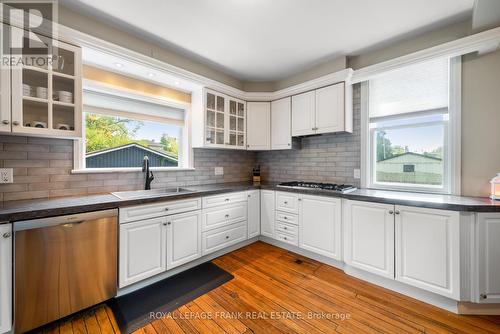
<point x="224" y="121"/>
<point x="46" y="96"/>
<point x="4" y="85"/>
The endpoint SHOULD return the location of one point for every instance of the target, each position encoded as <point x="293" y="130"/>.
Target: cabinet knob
<point x="249" y="196"/>
<point x="391" y="212"/>
<point x="397" y="212"/>
<point x="285" y="238"/>
<point x="227" y="199"/>
<point x="483" y="296"/>
<point x="5" y="121"/>
<point x="285" y="227"/>
<point x="286" y="202"/>
<point x="300" y="199"/>
<point x="227" y="236"/>
<point x="285" y="217"/>
<point x="15" y="123"/>
<point x="248" y="145"/>
<point x="227" y="216"/>
<point x="166" y="209"/>
<point x="165" y="224"/>
<point x="288" y="144"/>
<point x="7" y="235"/>
<point x="169" y="223"/>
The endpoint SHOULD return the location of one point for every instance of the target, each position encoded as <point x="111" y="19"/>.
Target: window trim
<point x="452" y="162"/>
<point x="185" y="158"/>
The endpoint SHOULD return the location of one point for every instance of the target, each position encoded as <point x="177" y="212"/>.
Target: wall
<point x="325" y="158"/>
<point x="42" y="169"/>
<point x="480" y="122"/>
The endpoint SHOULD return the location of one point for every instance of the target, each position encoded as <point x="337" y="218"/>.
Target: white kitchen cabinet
<point x="427" y="249"/>
<point x="224" y="215"/>
<point x="287" y="202"/>
<point x="253" y="215"/>
<point x="281" y="124"/>
<point x="183" y="238"/>
<point x="225" y="121"/>
<point x="303" y="114"/>
<point x="320" y="225"/>
<point x="321" y="111"/>
<point x="51" y="106"/>
<point x="5" y="111"/>
<point x="267" y="213"/>
<point x="226" y="236"/>
<point x="369" y="237"/>
<point x="488" y="257"/>
<point x="330" y="110"/>
<point x="258" y="126"/>
<point x="5" y="278"/>
<point x="143" y="250"/>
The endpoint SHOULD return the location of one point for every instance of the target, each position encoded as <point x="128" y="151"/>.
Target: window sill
<point x="129" y="170"/>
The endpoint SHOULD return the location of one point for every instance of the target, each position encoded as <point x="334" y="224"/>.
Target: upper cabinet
<point x="46" y="96"/>
<point x="225" y="120"/>
<point x="259" y="126"/>
<point x="5" y="116"/>
<point x="321" y="111"/>
<point x="281" y="124"/>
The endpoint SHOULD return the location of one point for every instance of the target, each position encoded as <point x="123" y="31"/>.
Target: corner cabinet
<point x="259" y="126"/>
<point x="5" y="278"/>
<point x="225" y="121"/>
<point x="281" y="124"/>
<point x="47" y="97"/>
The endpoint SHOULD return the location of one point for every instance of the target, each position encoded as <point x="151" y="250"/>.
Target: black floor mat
<point x="132" y="311"/>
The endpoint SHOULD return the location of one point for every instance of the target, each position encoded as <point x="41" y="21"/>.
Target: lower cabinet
<point x="143" y="250"/>
<point x="428" y="249"/>
<point x="183" y="238"/>
<point x="487" y="257"/>
<point x="5" y="278"/>
<point x="150" y="247"/>
<point x="369" y="237"/>
<point x="226" y="236"/>
<point x="320" y="225"/>
<point x="267" y="201"/>
<point x="253" y="215"/>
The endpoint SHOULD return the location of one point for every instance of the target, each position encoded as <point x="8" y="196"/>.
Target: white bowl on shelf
<point x="41" y="92"/>
<point x="66" y="97"/>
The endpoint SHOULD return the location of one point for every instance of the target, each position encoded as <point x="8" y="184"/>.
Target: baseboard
<point x="184" y="267"/>
<point x="478" y="309"/>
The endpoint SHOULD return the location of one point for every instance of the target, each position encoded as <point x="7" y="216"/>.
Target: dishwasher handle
<point x="67" y="220"/>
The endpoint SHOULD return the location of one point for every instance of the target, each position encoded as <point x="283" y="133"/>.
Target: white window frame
<point x="452" y="142"/>
<point x="185" y="160"/>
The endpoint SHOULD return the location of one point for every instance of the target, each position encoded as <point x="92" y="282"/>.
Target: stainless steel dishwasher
<point x="63" y="265"/>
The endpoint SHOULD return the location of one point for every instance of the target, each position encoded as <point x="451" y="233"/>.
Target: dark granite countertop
<point x="21" y="210"/>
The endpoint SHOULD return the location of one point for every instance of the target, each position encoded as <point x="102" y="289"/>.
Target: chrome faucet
<point x="148" y="176"/>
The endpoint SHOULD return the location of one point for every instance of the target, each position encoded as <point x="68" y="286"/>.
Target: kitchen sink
<point x="134" y="194"/>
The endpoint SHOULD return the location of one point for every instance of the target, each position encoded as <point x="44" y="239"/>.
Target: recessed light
<point x="119" y="65"/>
<point x="177" y="83"/>
<point x="150" y="74"/>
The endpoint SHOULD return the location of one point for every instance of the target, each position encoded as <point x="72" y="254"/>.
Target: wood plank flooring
<point x="276" y="291"/>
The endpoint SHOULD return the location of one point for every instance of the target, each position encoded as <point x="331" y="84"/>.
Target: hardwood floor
<point x="277" y="291"/>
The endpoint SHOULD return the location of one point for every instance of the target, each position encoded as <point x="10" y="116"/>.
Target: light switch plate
<point x="219" y="170"/>
<point x="357" y="173"/>
<point x="6" y="175"/>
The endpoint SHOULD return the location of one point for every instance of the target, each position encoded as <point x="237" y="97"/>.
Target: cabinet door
<point x="428" y="249"/>
<point x="143" y="250"/>
<point x="287" y="202"/>
<point x="330" y="111"/>
<point x="259" y="127"/>
<point x="183" y="238"/>
<point x="4" y="85"/>
<point x="267" y="213"/>
<point x="281" y="124"/>
<point x="253" y="213"/>
<point x="320" y="222"/>
<point x="369" y="237"/>
<point x="215" y="119"/>
<point x="303" y="114"/>
<point x="488" y="257"/>
<point x="235" y="132"/>
<point x="5" y="277"/>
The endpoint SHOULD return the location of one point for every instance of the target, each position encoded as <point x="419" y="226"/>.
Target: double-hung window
<point x="411" y="128"/>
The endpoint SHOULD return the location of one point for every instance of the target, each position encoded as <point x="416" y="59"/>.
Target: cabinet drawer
<point x="287" y="218"/>
<point x="287" y="202"/>
<point x="228" y="198"/>
<point x="224" y="215"/>
<point x="140" y="212"/>
<point x="290" y="239"/>
<point x="223" y="237"/>
<point x="287" y="228"/>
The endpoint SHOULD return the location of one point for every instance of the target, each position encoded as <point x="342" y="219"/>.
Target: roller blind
<point x="414" y="88"/>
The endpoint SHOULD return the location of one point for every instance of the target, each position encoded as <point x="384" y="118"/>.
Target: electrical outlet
<point x="357" y="173"/>
<point x="219" y="170"/>
<point x="6" y="175"/>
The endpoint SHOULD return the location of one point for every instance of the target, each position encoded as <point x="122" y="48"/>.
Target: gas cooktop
<point x="339" y="188"/>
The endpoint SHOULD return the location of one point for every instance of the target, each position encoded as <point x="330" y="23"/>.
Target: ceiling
<point x="269" y="40"/>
